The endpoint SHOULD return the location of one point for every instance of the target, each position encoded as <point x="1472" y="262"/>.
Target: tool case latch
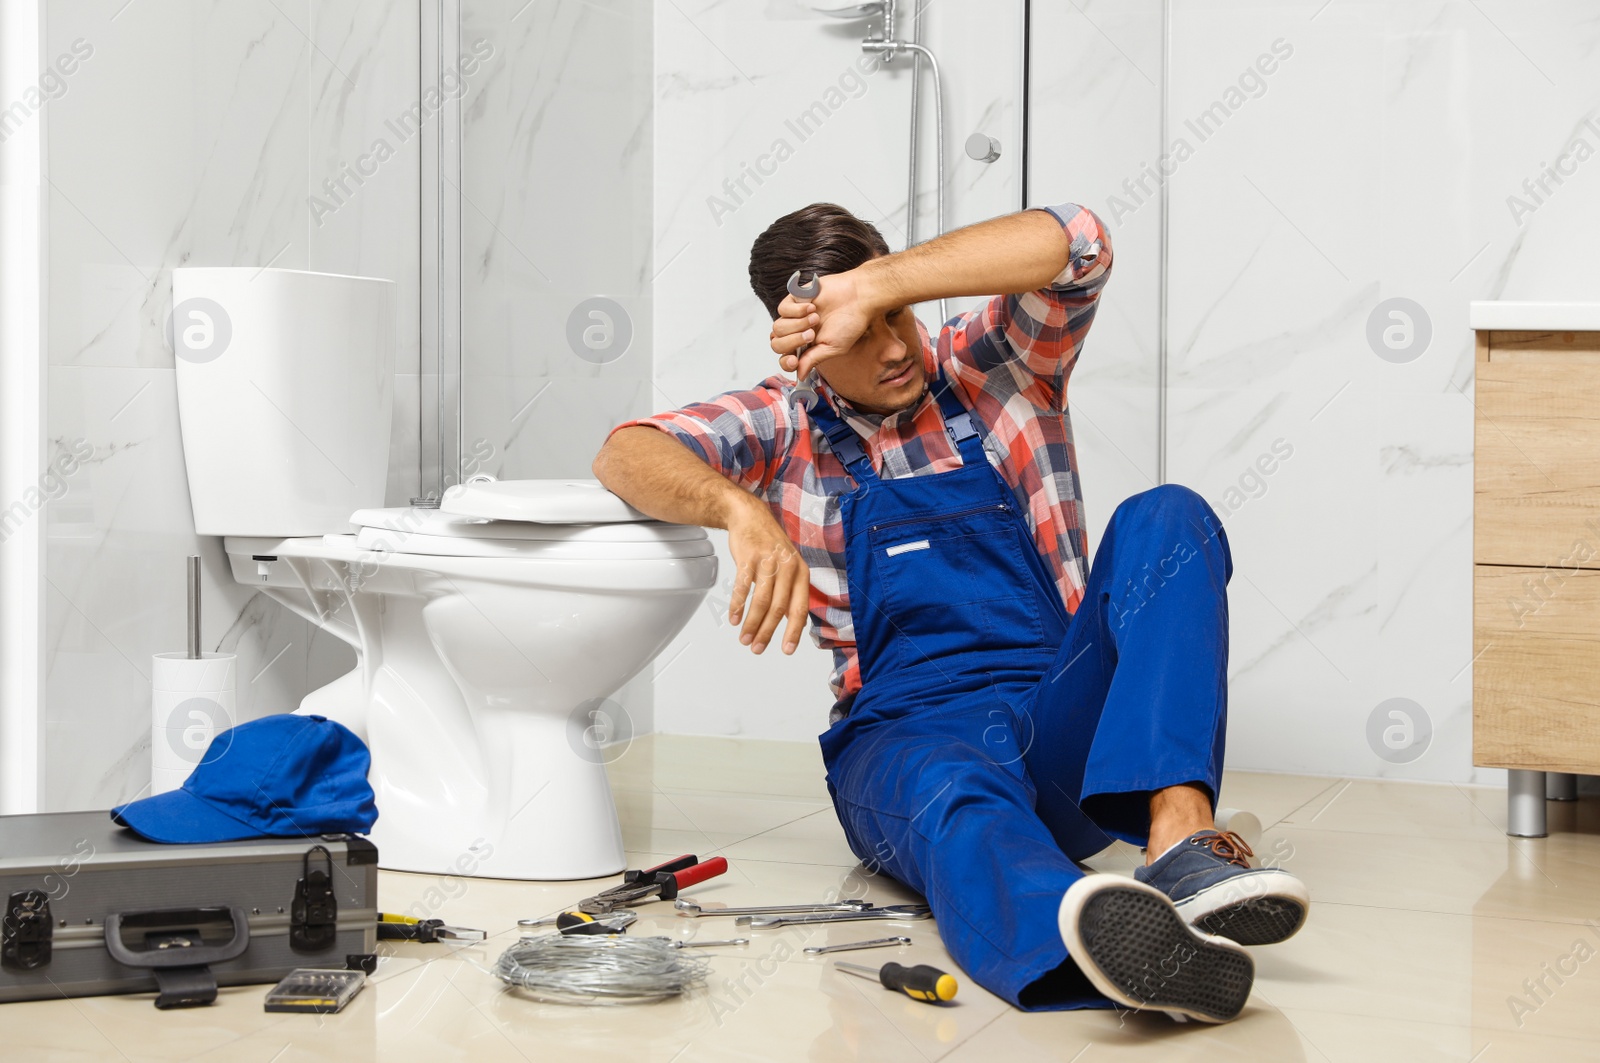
<point x="358" y="851"/>
<point x="314" y="913"/>
<point x="25" y="943"/>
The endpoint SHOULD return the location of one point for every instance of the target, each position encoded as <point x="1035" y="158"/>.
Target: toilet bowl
<point x="489" y="633"/>
<point x="486" y="651"/>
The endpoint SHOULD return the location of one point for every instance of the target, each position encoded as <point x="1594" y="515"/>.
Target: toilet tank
<point x="285" y="392"/>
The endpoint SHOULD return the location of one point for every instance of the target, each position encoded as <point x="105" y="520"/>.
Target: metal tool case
<point x="91" y="908"/>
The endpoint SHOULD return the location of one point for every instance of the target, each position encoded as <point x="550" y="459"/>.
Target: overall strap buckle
<point x="846" y="444"/>
<point x="843" y="439"/>
<point x="960" y="427"/>
<point x="959" y="424"/>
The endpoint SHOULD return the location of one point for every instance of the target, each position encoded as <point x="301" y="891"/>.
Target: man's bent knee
<point x="1179" y="517"/>
<point x="1173" y="505"/>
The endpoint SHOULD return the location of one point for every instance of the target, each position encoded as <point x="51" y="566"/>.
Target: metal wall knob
<point x="982" y="148"/>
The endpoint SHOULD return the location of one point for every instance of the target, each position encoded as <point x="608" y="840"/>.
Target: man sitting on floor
<point x="1000" y="712"/>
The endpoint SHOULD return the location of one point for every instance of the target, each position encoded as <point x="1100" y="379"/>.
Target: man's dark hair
<point x="821" y="238"/>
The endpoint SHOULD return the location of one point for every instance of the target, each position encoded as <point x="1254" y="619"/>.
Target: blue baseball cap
<point x="282" y="776"/>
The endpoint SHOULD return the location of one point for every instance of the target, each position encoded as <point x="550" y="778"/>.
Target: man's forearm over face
<point x="1002" y="256"/>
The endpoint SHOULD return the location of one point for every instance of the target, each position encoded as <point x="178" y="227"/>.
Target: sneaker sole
<point x="1261" y="908"/>
<point x="1131" y="943"/>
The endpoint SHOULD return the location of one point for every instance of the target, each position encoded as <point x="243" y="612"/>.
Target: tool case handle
<point x="192" y="956"/>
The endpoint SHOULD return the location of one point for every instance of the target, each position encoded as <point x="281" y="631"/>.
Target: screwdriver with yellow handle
<point x="922" y="982"/>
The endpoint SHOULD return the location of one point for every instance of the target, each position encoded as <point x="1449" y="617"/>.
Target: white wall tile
<point x="557" y="205"/>
<point x="181" y="141"/>
<point x="1375" y="164"/>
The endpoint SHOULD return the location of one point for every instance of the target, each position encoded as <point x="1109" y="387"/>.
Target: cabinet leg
<point x="1525" y="803"/>
<point x="1560" y="786"/>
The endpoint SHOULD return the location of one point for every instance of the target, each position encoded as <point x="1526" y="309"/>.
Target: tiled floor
<point x="1429" y="928"/>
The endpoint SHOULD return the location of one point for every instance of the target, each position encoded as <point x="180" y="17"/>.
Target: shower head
<point x="851" y="11"/>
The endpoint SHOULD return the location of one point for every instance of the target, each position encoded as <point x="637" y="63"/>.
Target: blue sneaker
<point x="1210" y="880"/>
<point x="1134" y="947"/>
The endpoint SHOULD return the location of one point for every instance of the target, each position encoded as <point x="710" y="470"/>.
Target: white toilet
<point x="487" y="632"/>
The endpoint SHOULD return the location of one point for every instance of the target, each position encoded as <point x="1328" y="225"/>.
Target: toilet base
<point x="554" y="818"/>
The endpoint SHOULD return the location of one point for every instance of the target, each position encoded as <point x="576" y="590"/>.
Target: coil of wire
<point x="567" y="969"/>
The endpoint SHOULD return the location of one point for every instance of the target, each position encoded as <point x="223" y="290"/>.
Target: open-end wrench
<point x="889" y="911"/>
<point x="805" y="391"/>
<point x="875" y="943"/>
<point x="691" y="910"/>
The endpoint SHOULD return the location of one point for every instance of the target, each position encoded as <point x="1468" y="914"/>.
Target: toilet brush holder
<point x="191" y="700"/>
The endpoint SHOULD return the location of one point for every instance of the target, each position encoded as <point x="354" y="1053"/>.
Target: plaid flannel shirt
<point x="1009" y="362"/>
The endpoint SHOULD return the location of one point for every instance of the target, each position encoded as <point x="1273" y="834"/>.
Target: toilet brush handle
<point x="193" y="568"/>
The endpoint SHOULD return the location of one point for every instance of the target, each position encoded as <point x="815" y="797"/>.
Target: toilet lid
<point x="405" y="520"/>
<point x="541" y="501"/>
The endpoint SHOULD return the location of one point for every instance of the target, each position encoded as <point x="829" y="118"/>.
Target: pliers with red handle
<point x="661" y="882"/>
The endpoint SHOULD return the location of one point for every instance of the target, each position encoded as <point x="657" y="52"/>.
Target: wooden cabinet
<point x="1536" y="555"/>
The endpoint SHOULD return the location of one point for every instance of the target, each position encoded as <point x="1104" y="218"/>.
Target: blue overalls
<point x="996" y="739"/>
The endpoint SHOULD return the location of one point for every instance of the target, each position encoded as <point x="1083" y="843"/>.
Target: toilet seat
<point x="440" y="534"/>
<point x="555" y="519"/>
